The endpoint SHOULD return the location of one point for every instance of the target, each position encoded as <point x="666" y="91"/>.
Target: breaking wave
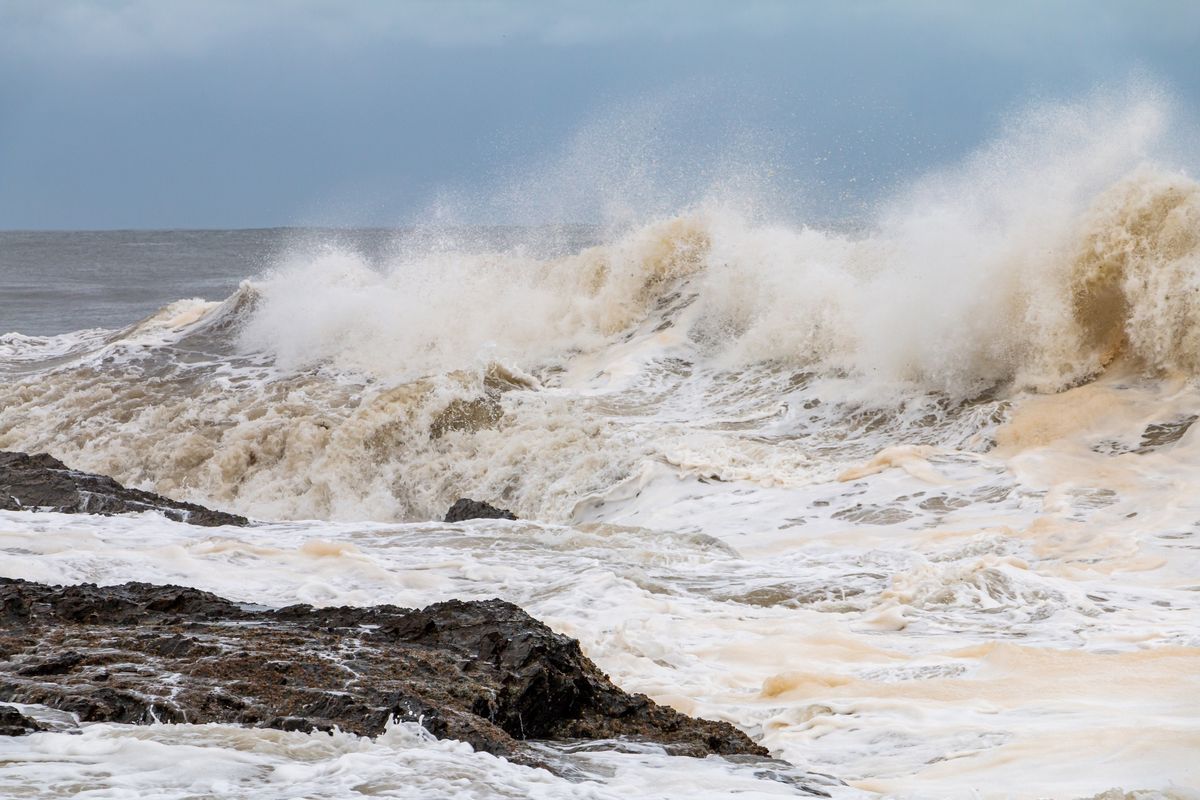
<point x="337" y="386"/>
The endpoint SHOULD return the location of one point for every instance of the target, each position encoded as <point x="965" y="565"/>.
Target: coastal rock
<point x="14" y="723"/>
<point x="43" y="483"/>
<point x="465" y="508"/>
<point x="484" y="672"/>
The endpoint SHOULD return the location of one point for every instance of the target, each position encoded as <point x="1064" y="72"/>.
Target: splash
<point x="1033" y="265"/>
<point x="338" y="386"/>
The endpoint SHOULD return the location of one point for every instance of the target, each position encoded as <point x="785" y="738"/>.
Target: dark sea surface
<point x="58" y="281"/>
<point x="53" y="282"/>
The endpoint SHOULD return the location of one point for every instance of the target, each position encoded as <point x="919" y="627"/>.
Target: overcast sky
<point x="232" y="113"/>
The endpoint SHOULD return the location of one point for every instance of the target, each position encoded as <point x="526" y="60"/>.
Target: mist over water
<point x="908" y="500"/>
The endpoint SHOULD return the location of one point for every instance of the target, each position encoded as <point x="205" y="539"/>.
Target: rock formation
<point x="484" y="672"/>
<point x="464" y="509"/>
<point x="43" y="483"/>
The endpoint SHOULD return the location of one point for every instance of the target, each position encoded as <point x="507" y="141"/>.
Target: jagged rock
<point x="484" y="672"/>
<point x="464" y="509"/>
<point x="43" y="483"/>
<point x="14" y="723"/>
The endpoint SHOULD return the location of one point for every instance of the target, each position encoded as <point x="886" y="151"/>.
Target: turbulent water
<point x="913" y="503"/>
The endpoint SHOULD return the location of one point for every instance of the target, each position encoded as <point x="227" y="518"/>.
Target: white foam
<point x="764" y="471"/>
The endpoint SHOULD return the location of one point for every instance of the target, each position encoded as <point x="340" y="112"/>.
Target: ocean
<point x="912" y="503"/>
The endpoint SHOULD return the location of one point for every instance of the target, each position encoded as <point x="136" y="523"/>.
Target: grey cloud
<point x="140" y="28"/>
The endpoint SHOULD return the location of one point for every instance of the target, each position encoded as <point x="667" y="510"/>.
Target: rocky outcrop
<point x="43" y="483"/>
<point x="14" y="723"/>
<point x="464" y="509"/>
<point x="483" y="672"/>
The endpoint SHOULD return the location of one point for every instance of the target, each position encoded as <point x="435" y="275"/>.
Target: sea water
<point x="912" y="504"/>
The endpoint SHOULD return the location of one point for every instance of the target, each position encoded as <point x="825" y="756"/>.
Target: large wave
<point x="337" y="386"/>
<point x="1036" y="262"/>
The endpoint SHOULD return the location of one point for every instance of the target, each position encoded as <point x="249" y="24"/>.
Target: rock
<point x="14" y="723"/>
<point x="484" y="672"/>
<point x="464" y="509"/>
<point x="43" y="483"/>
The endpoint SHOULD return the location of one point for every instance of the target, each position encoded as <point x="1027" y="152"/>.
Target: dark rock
<point x="483" y="672"/>
<point x="14" y="723"/>
<point x="464" y="509"/>
<point x="43" y="483"/>
<point x="55" y="665"/>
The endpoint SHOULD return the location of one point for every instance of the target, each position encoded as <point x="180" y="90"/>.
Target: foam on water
<point x="912" y="505"/>
<point x="176" y="761"/>
<point x="337" y="387"/>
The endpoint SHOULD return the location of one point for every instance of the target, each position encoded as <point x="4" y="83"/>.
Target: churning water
<point x="914" y="506"/>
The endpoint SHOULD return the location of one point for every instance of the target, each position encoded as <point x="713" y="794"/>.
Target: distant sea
<point x="53" y="282"/>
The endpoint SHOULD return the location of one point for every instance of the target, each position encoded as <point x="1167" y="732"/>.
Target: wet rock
<point x="14" y="723"/>
<point x="464" y="509"/>
<point x="43" y="483"/>
<point x="484" y="672"/>
<point x="55" y="665"/>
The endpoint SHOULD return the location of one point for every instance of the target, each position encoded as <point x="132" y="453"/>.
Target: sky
<point x="237" y="114"/>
